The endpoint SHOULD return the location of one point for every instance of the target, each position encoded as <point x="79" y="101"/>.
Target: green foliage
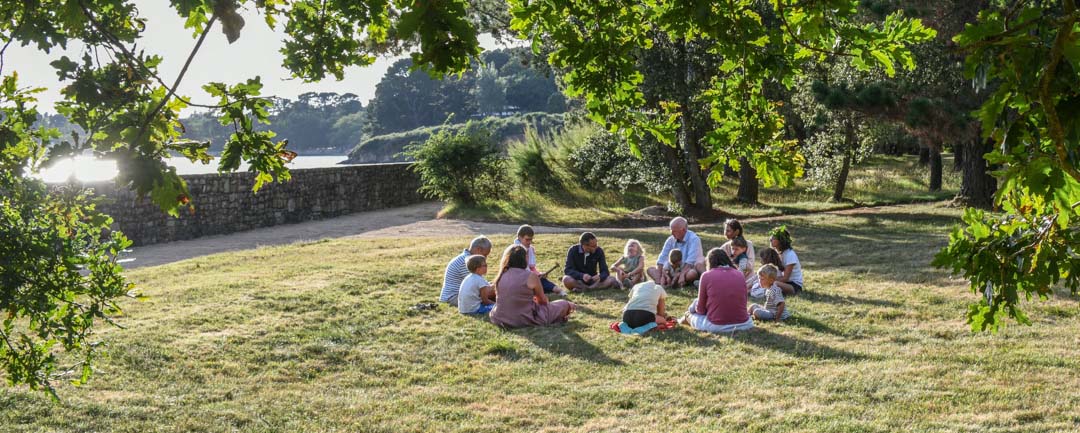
<point x="597" y="44"/>
<point x="58" y="265"/>
<point x="388" y="147"/>
<point x="605" y="160"/>
<point x="1029" y="56"/>
<point x="124" y="111"/>
<point x="502" y="80"/>
<point x="460" y="166"/>
<point x="531" y="163"/>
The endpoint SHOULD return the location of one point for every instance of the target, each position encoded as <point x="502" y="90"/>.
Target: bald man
<point x="690" y="244"/>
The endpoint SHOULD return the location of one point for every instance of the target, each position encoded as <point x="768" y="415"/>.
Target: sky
<point x="254" y="54"/>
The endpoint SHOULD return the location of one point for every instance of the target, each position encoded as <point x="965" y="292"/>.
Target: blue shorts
<point x="548" y="285"/>
<point x="484" y="309"/>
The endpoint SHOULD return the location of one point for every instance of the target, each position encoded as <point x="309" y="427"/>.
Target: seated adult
<point x="519" y="297"/>
<point x="721" y="303"/>
<point x="733" y="229"/>
<point x="586" y="267"/>
<point x="690" y="244"/>
<point x="457" y="270"/>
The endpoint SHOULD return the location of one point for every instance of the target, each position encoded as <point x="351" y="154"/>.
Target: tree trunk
<point x="935" y="170"/>
<point x="924" y="155"/>
<point x="977" y="186"/>
<point x="849" y="147"/>
<point x="748" y="183"/>
<point x="678" y="187"/>
<point x="690" y="134"/>
<point x="689" y="137"/>
<point x="958" y="157"/>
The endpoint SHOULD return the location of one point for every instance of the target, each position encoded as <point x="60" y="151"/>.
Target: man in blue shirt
<point x="586" y="267"/>
<point x="689" y="243"/>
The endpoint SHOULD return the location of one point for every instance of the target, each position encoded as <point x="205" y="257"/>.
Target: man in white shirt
<point x="686" y="241"/>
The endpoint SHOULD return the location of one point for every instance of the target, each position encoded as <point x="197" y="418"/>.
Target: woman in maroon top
<point x="520" y="299"/>
<point x="721" y="303"/>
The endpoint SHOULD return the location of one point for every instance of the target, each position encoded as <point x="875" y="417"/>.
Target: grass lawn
<point x="319" y="337"/>
<point x="880" y="180"/>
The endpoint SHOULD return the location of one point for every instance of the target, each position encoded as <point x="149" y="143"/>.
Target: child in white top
<point x="775" y="308"/>
<point x="476" y="295"/>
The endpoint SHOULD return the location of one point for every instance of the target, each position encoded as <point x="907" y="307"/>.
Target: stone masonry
<point x="224" y="203"/>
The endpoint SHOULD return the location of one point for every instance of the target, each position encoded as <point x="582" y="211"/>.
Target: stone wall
<point x="224" y="203"/>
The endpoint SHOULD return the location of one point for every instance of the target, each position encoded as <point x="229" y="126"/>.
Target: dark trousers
<point x="635" y="318"/>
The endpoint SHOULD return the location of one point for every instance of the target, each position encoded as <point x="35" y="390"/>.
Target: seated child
<point x="646" y="305"/>
<point x="768" y="257"/>
<point x="674" y="274"/>
<point x="476" y="296"/>
<point x="774" y="308"/>
<point x="630" y="268"/>
<point x="525" y="235"/>
<point x="740" y="258"/>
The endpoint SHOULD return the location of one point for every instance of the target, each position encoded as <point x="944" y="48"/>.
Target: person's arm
<point x="617" y="263"/>
<point x="661" y="309"/>
<point x="750" y="252"/>
<point x="569" y="269"/>
<point x="786" y="276"/>
<point x="602" y="262"/>
<point x="668" y="245"/>
<point x="702" y="298"/>
<point x="695" y="253"/>
<point x="779" y="311"/>
<point x="533" y="283"/>
<point x="640" y="267"/>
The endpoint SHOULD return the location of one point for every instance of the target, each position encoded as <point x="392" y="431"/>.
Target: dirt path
<point x="411" y="221"/>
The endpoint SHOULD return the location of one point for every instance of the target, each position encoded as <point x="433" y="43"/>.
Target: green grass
<point x="878" y="181"/>
<point x="319" y="337"/>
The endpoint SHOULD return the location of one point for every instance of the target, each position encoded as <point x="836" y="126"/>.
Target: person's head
<point x="732" y="228"/>
<point x="588" y="242"/>
<point x="674" y="257"/>
<point x="718" y="258"/>
<point x="767" y="275"/>
<point x="633" y="249"/>
<point x="477" y="264"/>
<point x="678" y="227"/>
<point x="480" y="246"/>
<point x="525" y="235"/>
<point x="738" y="246"/>
<point x="515" y="256"/>
<point x="781" y="239"/>
<point x="771" y="257"/>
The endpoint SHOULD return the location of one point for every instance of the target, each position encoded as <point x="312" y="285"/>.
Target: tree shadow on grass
<point x="817" y="296"/>
<point x="564" y="340"/>
<point x="591" y="312"/>
<point x="814" y="324"/>
<point x="768" y="339"/>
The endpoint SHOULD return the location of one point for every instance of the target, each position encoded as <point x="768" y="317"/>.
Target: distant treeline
<point x="505" y="82"/>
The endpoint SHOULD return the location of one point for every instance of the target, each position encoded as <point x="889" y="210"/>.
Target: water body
<point x="89" y="169"/>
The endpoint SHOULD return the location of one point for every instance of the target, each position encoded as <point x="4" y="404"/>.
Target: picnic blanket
<point x="623" y="328"/>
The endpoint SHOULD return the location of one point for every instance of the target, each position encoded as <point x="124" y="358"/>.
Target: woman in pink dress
<point x="520" y="299"/>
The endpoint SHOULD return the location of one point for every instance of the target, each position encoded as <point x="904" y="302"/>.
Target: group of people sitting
<point x="725" y="279"/>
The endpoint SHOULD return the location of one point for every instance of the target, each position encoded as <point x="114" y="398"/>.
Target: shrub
<point x="531" y="162"/>
<point x="459" y="165"/>
<point x="605" y="161"/>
